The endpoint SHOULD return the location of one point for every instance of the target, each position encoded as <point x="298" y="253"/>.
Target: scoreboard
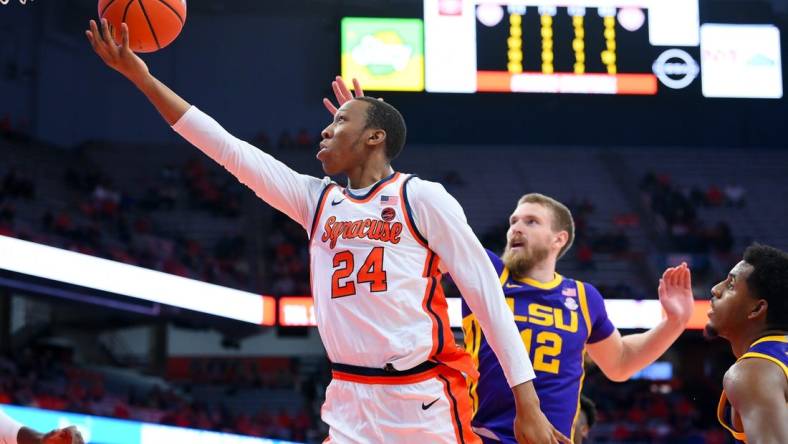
<point x="615" y="47"/>
<point x="560" y="46"/>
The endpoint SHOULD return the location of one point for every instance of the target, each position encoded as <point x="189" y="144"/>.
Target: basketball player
<point x="559" y="320"/>
<point x="585" y="420"/>
<point x="11" y="432"/>
<point x="750" y="310"/>
<point x="376" y="247"/>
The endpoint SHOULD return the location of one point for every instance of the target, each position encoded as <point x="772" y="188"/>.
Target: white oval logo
<point x="675" y="68"/>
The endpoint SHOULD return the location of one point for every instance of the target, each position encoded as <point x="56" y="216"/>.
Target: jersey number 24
<point x="371" y="271"/>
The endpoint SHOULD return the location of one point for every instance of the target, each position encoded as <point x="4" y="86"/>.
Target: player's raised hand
<point x="675" y="293"/>
<point x="342" y="94"/>
<point x="117" y="56"/>
<point x="68" y="435"/>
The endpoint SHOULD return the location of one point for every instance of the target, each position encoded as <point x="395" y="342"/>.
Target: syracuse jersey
<point x="771" y="348"/>
<point x="556" y="319"/>
<point x="373" y="273"/>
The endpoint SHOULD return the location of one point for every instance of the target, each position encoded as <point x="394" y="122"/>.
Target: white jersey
<point x="9" y="429"/>
<point x="384" y="283"/>
<point x="378" y="301"/>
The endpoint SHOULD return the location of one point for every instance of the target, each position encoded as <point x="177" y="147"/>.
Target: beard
<point x="520" y="263"/>
<point x="710" y="332"/>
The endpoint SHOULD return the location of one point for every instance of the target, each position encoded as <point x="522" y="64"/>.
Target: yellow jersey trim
<point x="767" y="357"/>
<point x="579" y="393"/>
<point x="504" y="275"/>
<point x="557" y="279"/>
<point x="473" y="343"/>
<point x="775" y="338"/>
<point x="741" y="436"/>
<point x="581" y="294"/>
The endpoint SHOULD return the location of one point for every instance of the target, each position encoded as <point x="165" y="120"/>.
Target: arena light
<point x="69" y="267"/>
<point x="624" y="313"/>
<point x="117" y="431"/>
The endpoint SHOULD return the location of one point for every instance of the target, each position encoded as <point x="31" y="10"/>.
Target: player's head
<point x="753" y="297"/>
<point x="363" y="128"/>
<point x="585" y="420"/>
<point x="540" y="228"/>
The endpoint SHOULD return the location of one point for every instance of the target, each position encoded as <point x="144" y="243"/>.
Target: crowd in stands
<point x="45" y="378"/>
<point x="677" y="210"/>
<point x="102" y="220"/>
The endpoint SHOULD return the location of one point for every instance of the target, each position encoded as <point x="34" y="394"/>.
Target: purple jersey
<point x="771" y="348"/>
<point x="556" y="320"/>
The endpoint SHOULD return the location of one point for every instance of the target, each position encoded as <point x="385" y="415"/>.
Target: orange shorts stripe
<point x="456" y="391"/>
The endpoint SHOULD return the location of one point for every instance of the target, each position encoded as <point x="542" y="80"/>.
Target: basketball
<point x="153" y="24"/>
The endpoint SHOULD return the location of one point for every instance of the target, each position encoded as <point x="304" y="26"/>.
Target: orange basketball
<point x="153" y="24"/>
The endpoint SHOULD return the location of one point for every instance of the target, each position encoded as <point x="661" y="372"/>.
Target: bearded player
<point x="560" y="319"/>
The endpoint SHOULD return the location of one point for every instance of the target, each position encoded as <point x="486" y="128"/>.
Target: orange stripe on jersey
<point x="375" y="190"/>
<point x="456" y="392"/>
<point x="387" y="380"/>
<point x="319" y="212"/>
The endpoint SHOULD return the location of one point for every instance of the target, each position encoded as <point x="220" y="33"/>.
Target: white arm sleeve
<point x="440" y="219"/>
<point x="9" y="429"/>
<point x="289" y="192"/>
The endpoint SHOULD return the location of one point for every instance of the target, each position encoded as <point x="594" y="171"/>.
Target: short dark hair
<point x="589" y="408"/>
<point x="381" y="115"/>
<point x="769" y="281"/>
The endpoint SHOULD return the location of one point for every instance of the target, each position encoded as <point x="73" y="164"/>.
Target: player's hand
<point x="69" y="435"/>
<point x="675" y="294"/>
<point x="533" y="428"/>
<point x="342" y="94"/>
<point x="118" y="57"/>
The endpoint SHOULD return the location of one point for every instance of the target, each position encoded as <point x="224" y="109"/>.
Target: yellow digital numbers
<point x="579" y="42"/>
<point x="548" y="55"/>
<point x="609" y="54"/>
<point x="515" y="44"/>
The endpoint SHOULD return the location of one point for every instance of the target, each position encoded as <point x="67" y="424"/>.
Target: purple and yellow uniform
<point x="556" y="320"/>
<point x="771" y="348"/>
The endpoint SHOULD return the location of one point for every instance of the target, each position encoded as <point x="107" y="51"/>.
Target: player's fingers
<point x="107" y="35"/>
<point x="342" y="87"/>
<point x="561" y="438"/>
<point x="357" y="88"/>
<point x="95" y="31"/>
<point x="338" y="93"/>
<point x="124" y="34"/>
<point x="662" y="291"/>
<point x="91" y="39"/>
<point x="329" y="106"/>
<point x="686" y="280"/>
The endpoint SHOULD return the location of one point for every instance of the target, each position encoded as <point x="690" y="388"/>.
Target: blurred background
<point x="147" y="296"/>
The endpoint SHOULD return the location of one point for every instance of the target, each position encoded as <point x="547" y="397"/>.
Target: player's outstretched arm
<point x="756" y="389"/>
<point x="620" y="357"/>
<point x="123" y="60"/>
<point x="292" y="193"/>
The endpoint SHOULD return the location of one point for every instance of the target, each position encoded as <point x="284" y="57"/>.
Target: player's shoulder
<point x="417" y="186"/>
<point x="591" y="292"/>
<point x="750" y="373"/>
